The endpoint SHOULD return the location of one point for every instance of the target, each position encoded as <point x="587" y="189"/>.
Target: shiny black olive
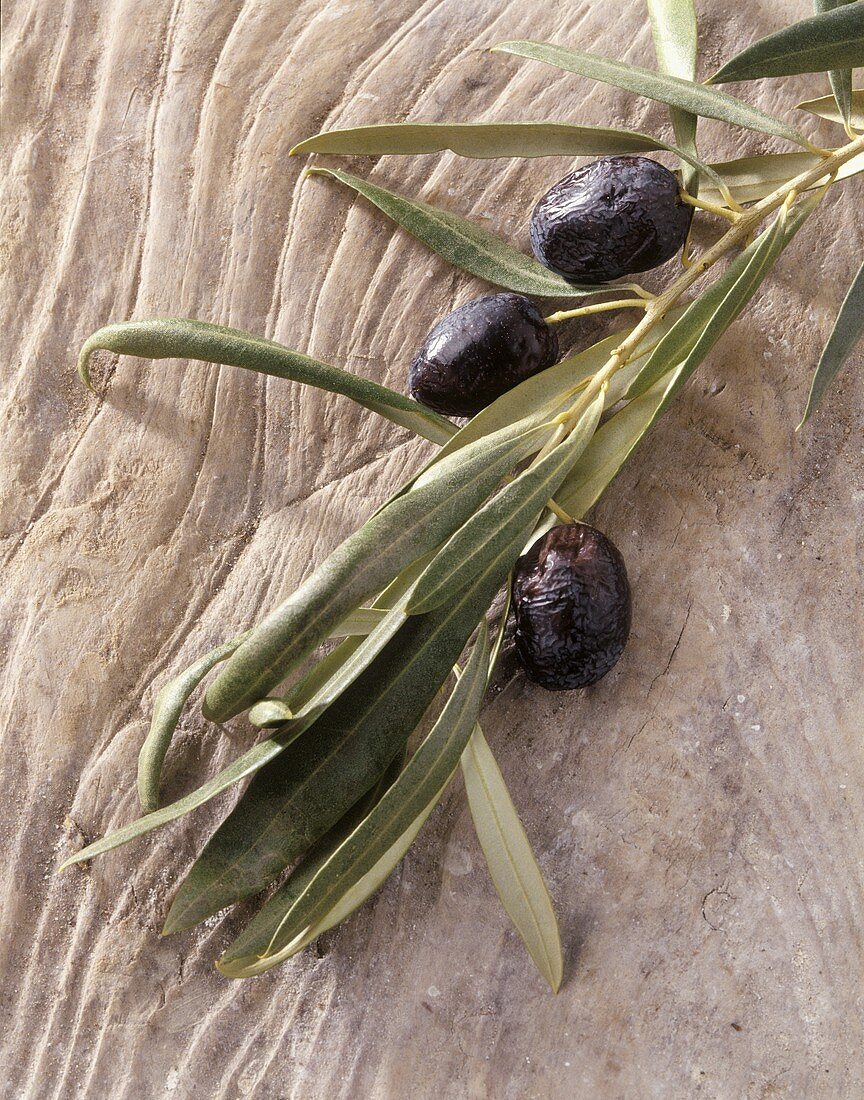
<point x="571" y="598"/>
<point x="612" y="217"/>
<point x="479" y="351"/>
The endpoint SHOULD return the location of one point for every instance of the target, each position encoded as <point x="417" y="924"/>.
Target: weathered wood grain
<point x="699" y="814"/>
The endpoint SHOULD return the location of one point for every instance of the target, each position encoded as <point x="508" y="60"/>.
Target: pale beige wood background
<point x="698" y="815"/>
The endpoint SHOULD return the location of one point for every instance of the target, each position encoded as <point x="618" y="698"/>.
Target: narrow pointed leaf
<point x="844" y="336"/>
<point x="438" y="502"/>
<point x="830" y="40"/>
<point x="496" y="524"/>
<point x="464" y="244"/>
<point x="288" y="914"/>
<point x="483" y="140"/>
<point x="300" y="794"/>
<point x="684" y="94"/>
<point x="183" y="338"/>
<point x="673" y="27"/>
<point x="167" y="709"/>
<point x="827" y="107"/>
<point x="752" y="178"/>
<point x="512" y="866"/>
<point x="315" y="859"/>
<point x="841" y="79"/>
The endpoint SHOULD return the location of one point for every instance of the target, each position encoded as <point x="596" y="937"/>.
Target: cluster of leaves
<point x="332" y="795"/>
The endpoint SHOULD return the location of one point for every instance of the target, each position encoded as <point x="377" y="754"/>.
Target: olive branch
<point x="335" y="796"/>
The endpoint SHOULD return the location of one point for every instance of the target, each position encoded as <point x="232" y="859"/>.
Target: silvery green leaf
<point x="352" y="899"/>
<point x="841" y="79"/>
<point x="464" y="244"/>
<point x="167" y="708"/>
<point x="302" y="792"/>
<point x="414" y="523"/>
<point x="826" y="107"/>
<point x="183" y="338"/>
<point x="675" y="34"/>
<point x="830" y="40"/>
<point x="844" y="336"/>
<point x="684" y="94"/>
<point x="289" y="913"/>
<point x="753" y="178"/>
<point x="489" y="139"/>
<point x="499" y="521"/>
<point x="512" y="866"/>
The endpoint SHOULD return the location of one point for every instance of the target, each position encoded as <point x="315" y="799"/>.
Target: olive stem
<point x="598" y="307"/>
<point x="710" y="207"/>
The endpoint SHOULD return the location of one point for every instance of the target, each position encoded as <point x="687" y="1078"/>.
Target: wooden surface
<point x="698" y="815"/>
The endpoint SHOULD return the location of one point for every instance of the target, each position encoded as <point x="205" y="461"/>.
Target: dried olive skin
<point x="479" y="351"/>
<point x="613" y="217"/>
<point x="572" y="603"/>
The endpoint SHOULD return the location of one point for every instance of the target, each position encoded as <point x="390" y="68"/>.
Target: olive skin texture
<point x="571" y="598"/>
<point x="613" y="217"/>
<point x="479" y="351"/>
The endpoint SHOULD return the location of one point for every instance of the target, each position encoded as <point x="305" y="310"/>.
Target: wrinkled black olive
<point x="479" y="351"/>
<point x="612" y="217"/>
<point x="572" y="603"/>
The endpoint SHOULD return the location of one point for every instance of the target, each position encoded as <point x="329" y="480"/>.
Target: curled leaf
<point x="184" y="338"/>
<point x="826" y="107"/>
<point x="167" y="708"/>
<point x="753" y="178"/>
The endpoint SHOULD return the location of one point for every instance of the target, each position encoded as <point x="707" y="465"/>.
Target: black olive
<point x="612" y="217"/>
<point x="479" y="351"/>
<point x="572" y="603"/>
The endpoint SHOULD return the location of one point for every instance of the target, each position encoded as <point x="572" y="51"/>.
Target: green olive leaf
<point x="311" y="697"/>
<point x="480" y="140"/>
<point x="684" y="94"/>
<point x="496" y="524"/>
<point x="352" y="899"/>
<point x="301" y="793"/>
<point x="827" y="107"/>
<point x="490" y="139"/>
<point x="183" y="338"/>
<point x="676" y="38"/>
<point x="439" y="501"/>
<point x="167" y="708"/>
<point x="753" y="178"/>
<point x="288" y="913"/>
<point x="829" y="40"/>
<point x="322" y="851"/>
<point x="841" y="79"/>
<point x="514" y="871"/>
<point x="330" y="676"/>
<point x="845" y="334"/>
<point x="466" y="245"/>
